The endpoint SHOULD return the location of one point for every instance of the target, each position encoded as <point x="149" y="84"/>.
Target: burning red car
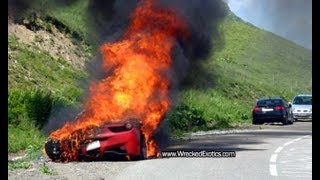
<point x="136" y="83"/>
<point x="111" y="140"/>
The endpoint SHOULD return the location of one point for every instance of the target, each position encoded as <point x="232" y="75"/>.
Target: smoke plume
<point x="203" y="18"/>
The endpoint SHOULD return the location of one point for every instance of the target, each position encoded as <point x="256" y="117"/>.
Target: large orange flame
<point x="139" y="83"/>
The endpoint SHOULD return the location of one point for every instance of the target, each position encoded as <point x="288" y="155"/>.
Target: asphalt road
<point x="277" y="152"/>
<point x="262" y="152"/>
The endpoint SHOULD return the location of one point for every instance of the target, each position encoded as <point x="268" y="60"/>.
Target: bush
<point x="28" y="111"/>
<point x="185" y="118"/>
<point x="32" y="105"/>
<point x="16" y="108"/>
<point x="39" y="106"/>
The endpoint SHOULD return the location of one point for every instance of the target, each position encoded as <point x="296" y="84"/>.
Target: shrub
<point x="30" y="105"/>
<point x="185" y="118"/>
<point x="38" y="106"/>
<point x="28" y="111"/>
<point x="16" y="108"/>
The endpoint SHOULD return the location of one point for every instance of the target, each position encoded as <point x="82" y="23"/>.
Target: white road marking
<point x="273" y="158"/>
<point x="297" y="139"/>
<point x="278" y="149"/>
<point x="287" y="143"/>
<point x="273" y="170"/>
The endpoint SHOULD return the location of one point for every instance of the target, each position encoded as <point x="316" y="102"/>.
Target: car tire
<point x="143" y="148"/>
<point x="52" y="149"/>
<point x="285" y="121"/>
<point x="256" y="122"/>
<point x="291" y="120"/>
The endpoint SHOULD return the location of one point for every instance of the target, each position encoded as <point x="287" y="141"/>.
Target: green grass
<point x="78" y="19"/>
<point x="74" y="16"/>
<point x="21" y="137"/>
<point x="19" y="165"/>
<point x="37" y="81"/>
<point x="46" y="170"/>
<point x="30" y="67"/>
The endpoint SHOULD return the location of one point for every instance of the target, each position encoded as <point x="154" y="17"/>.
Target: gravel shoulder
<point x="44" y="168"/>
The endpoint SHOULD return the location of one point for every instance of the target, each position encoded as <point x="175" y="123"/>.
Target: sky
<point x="291" y="19"/>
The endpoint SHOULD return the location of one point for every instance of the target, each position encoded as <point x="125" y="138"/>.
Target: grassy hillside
<point x="36" y="82"/>
<point x="252" y="63"/>
<point x="218" y="93"/>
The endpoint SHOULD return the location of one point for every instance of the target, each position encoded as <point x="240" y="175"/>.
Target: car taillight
<point x="257" y="108"/>
<point x="279" y="108"/>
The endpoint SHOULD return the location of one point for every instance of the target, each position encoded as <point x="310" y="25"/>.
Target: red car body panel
<point x="111" y="141"/>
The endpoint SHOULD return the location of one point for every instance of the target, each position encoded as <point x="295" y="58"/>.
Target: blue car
<point x="272" y="110"/>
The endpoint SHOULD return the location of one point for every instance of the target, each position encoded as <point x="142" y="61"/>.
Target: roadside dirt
<point x="43" y="168"/>
<point x="55" y="43"/>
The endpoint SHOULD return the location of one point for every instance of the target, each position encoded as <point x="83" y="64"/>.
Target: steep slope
<point x="45" y="70"/>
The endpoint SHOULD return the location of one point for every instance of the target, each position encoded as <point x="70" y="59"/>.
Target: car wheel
<point x="257" y="122"/>
<point x="254" y="121"/>
<point x="52" y="148"/>
<point x="291" y="120"/>
<point x="285" y="121"/>
<point x="143" y="149"/>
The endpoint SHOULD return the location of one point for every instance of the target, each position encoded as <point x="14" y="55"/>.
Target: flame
<point x="139" y="83"/>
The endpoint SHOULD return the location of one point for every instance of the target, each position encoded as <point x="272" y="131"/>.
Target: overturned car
<point x="114" y="140"/>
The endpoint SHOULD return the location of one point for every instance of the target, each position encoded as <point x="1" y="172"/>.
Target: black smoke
<point x="110" y="18"/>
<point x="59" y="116"/>
<point x="203" y="18"/>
